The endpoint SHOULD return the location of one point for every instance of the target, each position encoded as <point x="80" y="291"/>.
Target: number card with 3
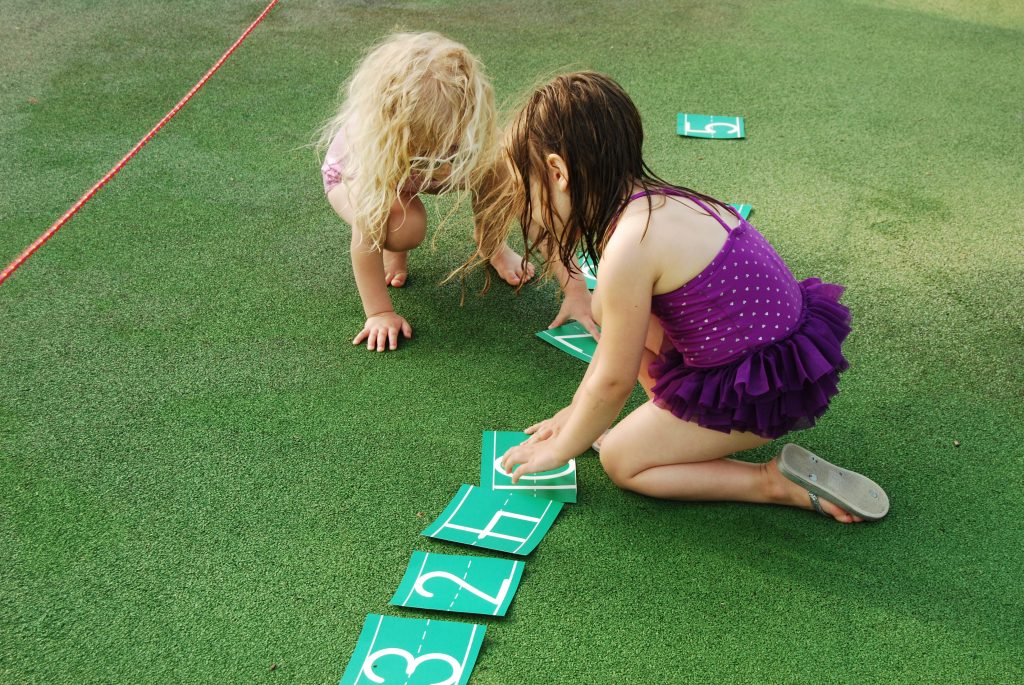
<point x="448" y="582"/>
<point x="405" y="651"/>
<point x="502" y="521"/>
<point x="557" y="484"/>
<point x="709" y="126"/>
<point x="572" y="338"/>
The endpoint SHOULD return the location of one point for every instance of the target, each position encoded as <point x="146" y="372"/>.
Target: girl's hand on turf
<point x="534" y="457"/>
<point x="381" y="331"/>
<point x="576" y="307"/>
<point x="548" y="428"/>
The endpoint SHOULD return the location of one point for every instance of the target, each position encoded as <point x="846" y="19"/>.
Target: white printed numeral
<point x="488" y="530"/>
<point x="412" y="664"/>
<point x="496" y="601"/>
<point x="730" y="129"/>
<point x="569" y="468"/>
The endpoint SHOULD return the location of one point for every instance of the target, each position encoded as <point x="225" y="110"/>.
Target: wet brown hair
<point x="589" y="121"/>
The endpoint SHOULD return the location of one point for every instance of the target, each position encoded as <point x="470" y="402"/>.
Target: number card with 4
<point x="572" y="338"/>
<point x="557" y="484"/>
<point x="502" y="521"/>
<point x="709" y="126"/>
<point x="448" y="582"/>
<point x="395" y="651"/>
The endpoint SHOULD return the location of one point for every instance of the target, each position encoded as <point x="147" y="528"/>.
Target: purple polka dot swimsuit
<point x="753" y="349"/>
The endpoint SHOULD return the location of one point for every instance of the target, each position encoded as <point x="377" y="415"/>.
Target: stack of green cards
<point x="506" y="522"/>
<point x="709" y="126"/>
<point x="471" y="585"/>
<point x="558" y="484"/>
<point x="405" y="650"/>
<point x="572" y="338"/>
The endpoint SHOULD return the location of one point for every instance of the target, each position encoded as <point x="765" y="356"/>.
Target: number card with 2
<point x="709" y="126"/>
<point x="396" y="651"/>
<point x="502" y="521"/>
<point x="448" y="582"/>
<point x="557" y="484"/>
<point x="572" y="338"/>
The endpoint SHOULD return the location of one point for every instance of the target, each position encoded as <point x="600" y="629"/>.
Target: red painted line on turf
<point x="56" y="226"/>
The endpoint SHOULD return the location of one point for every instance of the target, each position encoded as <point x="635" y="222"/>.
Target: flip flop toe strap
<point x="816" y="504"/>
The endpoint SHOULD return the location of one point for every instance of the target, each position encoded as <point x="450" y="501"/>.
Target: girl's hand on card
<point x="534" y="457"/>
<point x="576" y="307"/>
<point x="381" y="331"/>
<point x="548" y="428"/>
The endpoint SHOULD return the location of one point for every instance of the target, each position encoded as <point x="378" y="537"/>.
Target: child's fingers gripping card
<point x="572" y="338"/>
<point x="557" y="484"/>
<point x="392" y="651"/>
<point x="709" y="126"/>
<point x="448" y="582"/>
<point x="502" y="521"/>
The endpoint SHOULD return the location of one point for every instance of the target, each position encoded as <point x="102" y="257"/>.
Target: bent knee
<point x="407" y="225"/>
<point x="615" y="461"/>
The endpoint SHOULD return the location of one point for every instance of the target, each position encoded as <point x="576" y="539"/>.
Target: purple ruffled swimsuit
<point x="753" y="349"/>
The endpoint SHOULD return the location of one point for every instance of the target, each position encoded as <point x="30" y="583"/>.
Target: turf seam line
<point x="56" y="226"/>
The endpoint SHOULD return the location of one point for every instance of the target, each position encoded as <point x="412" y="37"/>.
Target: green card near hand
<point x="588" y="269"/>
<point x="448" y="582"/>
<point x="558" y="484"/>
<point x="572" y="338"/>
<point x="405" y="650"/>
<point x="709" y="126"/>
<point x="502" y="521"/>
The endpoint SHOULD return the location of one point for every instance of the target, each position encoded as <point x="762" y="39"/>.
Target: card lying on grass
<point x="709" y="126"/>
<point x="449" y="582"/>
<point x="502" y="521"/>
<point x="572" y="338"/>
<point x="558" y="484"/>
<point x="589" y="270"/>
<point x="402" y="650"/>
<point x="743" y="210"/>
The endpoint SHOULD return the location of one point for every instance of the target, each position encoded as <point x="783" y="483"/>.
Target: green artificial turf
<point x="201" y="478"/>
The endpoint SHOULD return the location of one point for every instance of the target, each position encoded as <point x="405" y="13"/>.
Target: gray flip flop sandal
<point x="857" y="494"/>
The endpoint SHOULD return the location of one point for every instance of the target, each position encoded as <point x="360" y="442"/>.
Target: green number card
<point x="470" y="585"/>
<point x="557" y="484"/>
<point x="397" y="651"/>
<point x="589" y="270"/>
<point x="709" y="126"/>
<point x="502" y="521"/>
<point x="572" y="338"/>
<point x="743" y="210"/>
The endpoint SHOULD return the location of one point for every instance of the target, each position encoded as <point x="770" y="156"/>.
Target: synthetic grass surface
<point x="200" y="477"/>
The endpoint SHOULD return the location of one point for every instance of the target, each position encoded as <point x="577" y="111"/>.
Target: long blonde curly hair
<point x="419" y="108"/>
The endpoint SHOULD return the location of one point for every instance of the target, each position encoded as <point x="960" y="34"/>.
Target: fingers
<point x="382" y="339"/>
<point x="532" y="428"/>
<point x="522" y="470"/>
<point x="363" y="335"/>
<point x="406" y="329"/>
<point x="559" y="320"/>
<point x="393" y="338"/>
<point x="588" y="323"/>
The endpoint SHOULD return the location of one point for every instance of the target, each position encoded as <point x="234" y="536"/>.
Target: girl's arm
<point x="382" y="325"/>
<point x="627" y="281"/>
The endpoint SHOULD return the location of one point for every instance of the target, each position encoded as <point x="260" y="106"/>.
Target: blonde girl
<point x="419" y="117"/>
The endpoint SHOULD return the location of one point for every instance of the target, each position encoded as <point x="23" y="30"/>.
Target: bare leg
<point x="407" y="226"/>
<point x="654" y="453"/>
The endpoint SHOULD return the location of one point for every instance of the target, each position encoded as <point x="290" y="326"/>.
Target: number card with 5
<point x="396" y="651"/>
<point x="557" y="484"/>
<point x="709" y="126"/>
<point x="448" y="582"/>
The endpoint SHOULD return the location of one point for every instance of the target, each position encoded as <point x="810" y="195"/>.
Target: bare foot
<point x="396" y="268"/>
<point x="509" y="266"/>
<point x="789" y="493"/>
